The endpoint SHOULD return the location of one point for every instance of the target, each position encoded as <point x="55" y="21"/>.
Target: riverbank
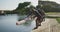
<point x="47" y="25"/>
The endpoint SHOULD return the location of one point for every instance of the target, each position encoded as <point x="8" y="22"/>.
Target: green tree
<point x="22" y="7"/>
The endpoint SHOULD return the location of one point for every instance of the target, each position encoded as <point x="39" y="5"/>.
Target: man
<point x="40" y="14"/>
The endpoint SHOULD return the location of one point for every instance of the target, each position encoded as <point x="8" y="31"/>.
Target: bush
<point x="58" y="19"/>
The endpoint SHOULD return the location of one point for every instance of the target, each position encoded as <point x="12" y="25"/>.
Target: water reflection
<point x="8" y="24"/>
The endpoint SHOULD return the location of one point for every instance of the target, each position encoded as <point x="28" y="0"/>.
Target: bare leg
<point x="38" y="22"/>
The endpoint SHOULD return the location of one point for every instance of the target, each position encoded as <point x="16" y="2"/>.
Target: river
<point x="8" y="24"/>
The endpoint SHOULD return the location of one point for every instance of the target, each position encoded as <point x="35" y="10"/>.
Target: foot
<point x="35" y="28"/>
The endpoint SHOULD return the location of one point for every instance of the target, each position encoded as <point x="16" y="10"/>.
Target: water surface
<point x="8" y="24"/>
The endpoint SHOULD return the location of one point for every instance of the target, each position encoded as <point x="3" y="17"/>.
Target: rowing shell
<point x="25" y="20"/>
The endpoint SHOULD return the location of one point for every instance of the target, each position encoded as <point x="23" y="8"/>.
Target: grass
<point x="53" y="13"/>
<point x="58" y="19"/>
<point x="51" y="17"/>
<point x="48" y="14"/>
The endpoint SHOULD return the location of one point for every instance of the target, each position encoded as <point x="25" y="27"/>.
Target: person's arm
<point x="30" y="13"/>
<point x="36" y="11"/>
<point x="43" y="14"/>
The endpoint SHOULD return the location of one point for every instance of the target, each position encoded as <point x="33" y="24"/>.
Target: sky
<point x="13" y="4"/>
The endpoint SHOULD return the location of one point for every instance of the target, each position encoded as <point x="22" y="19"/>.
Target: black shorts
<point x="39" y="19"/>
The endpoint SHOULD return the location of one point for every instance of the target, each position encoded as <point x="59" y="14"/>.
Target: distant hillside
<point x="49" y="6"/>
